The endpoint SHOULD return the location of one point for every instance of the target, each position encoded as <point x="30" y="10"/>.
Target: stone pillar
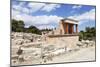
<point x="76" y="28"/>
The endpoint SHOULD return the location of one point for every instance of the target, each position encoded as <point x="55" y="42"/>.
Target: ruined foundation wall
<point x="69" y="41"/>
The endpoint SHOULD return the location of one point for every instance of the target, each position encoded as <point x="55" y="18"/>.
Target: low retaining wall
<point x="69" y="41"/>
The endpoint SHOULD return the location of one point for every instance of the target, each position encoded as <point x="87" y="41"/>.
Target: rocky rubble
<point x="28" y="48"/>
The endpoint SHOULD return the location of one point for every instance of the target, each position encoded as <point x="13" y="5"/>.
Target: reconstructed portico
<point x="67" y="26"/>
<point x="66" y="32"/>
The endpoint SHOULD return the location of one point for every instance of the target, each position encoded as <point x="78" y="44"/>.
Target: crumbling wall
<point x="68" y="41"/>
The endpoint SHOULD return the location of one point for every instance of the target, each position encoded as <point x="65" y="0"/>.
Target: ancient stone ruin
<point x="28" y="48"/>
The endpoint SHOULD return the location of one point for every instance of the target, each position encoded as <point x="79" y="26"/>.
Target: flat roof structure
<point x="68" y="20"/>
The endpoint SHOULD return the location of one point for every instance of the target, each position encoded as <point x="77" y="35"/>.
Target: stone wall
<point x="61" y="41"/>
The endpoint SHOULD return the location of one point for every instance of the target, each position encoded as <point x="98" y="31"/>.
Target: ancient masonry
<point x="67" y="32"/>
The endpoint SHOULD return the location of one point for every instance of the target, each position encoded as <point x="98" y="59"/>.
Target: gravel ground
<point x="84" y="54"/>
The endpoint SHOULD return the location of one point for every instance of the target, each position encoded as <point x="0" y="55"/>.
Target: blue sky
<point x="48" y="15"/>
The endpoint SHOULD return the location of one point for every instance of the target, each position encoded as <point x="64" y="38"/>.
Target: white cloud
<point x="76" y="6"/>
<point x="87" y="16"/>
<point x="17" y="7"/>
<point x="26" y="10"/>
<point x="22" y="3"/>
<point x="42" y="7"/>
<point x="20" y="7"/>
<point x="50" y="7"/>
<point x="15" y="13"/>
<point x="43" y="20"/>
<point x="33" y="7"/>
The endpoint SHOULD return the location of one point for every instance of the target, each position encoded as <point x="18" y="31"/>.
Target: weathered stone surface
<point x="51" y="48"/>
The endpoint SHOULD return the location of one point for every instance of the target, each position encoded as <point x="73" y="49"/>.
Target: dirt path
<point x="85" y="54"/>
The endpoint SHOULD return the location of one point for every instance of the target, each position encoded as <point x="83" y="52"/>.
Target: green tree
<point x="33" y="29"/>
<point x="17" y="26"/>
<point x="89" y="33"/>
<point x="81" y="35"/>
<point x="14" y="25"/>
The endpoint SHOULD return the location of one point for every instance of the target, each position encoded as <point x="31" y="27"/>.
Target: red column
<point x="67" y="28"/>
<point x="76" y="28"/>
<point x="72" y="27"/>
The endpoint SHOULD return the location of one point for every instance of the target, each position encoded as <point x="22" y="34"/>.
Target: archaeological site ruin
<point x="50" y="33"/>
<point x="28" y="48"/>
<point x="65" y="32"/>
